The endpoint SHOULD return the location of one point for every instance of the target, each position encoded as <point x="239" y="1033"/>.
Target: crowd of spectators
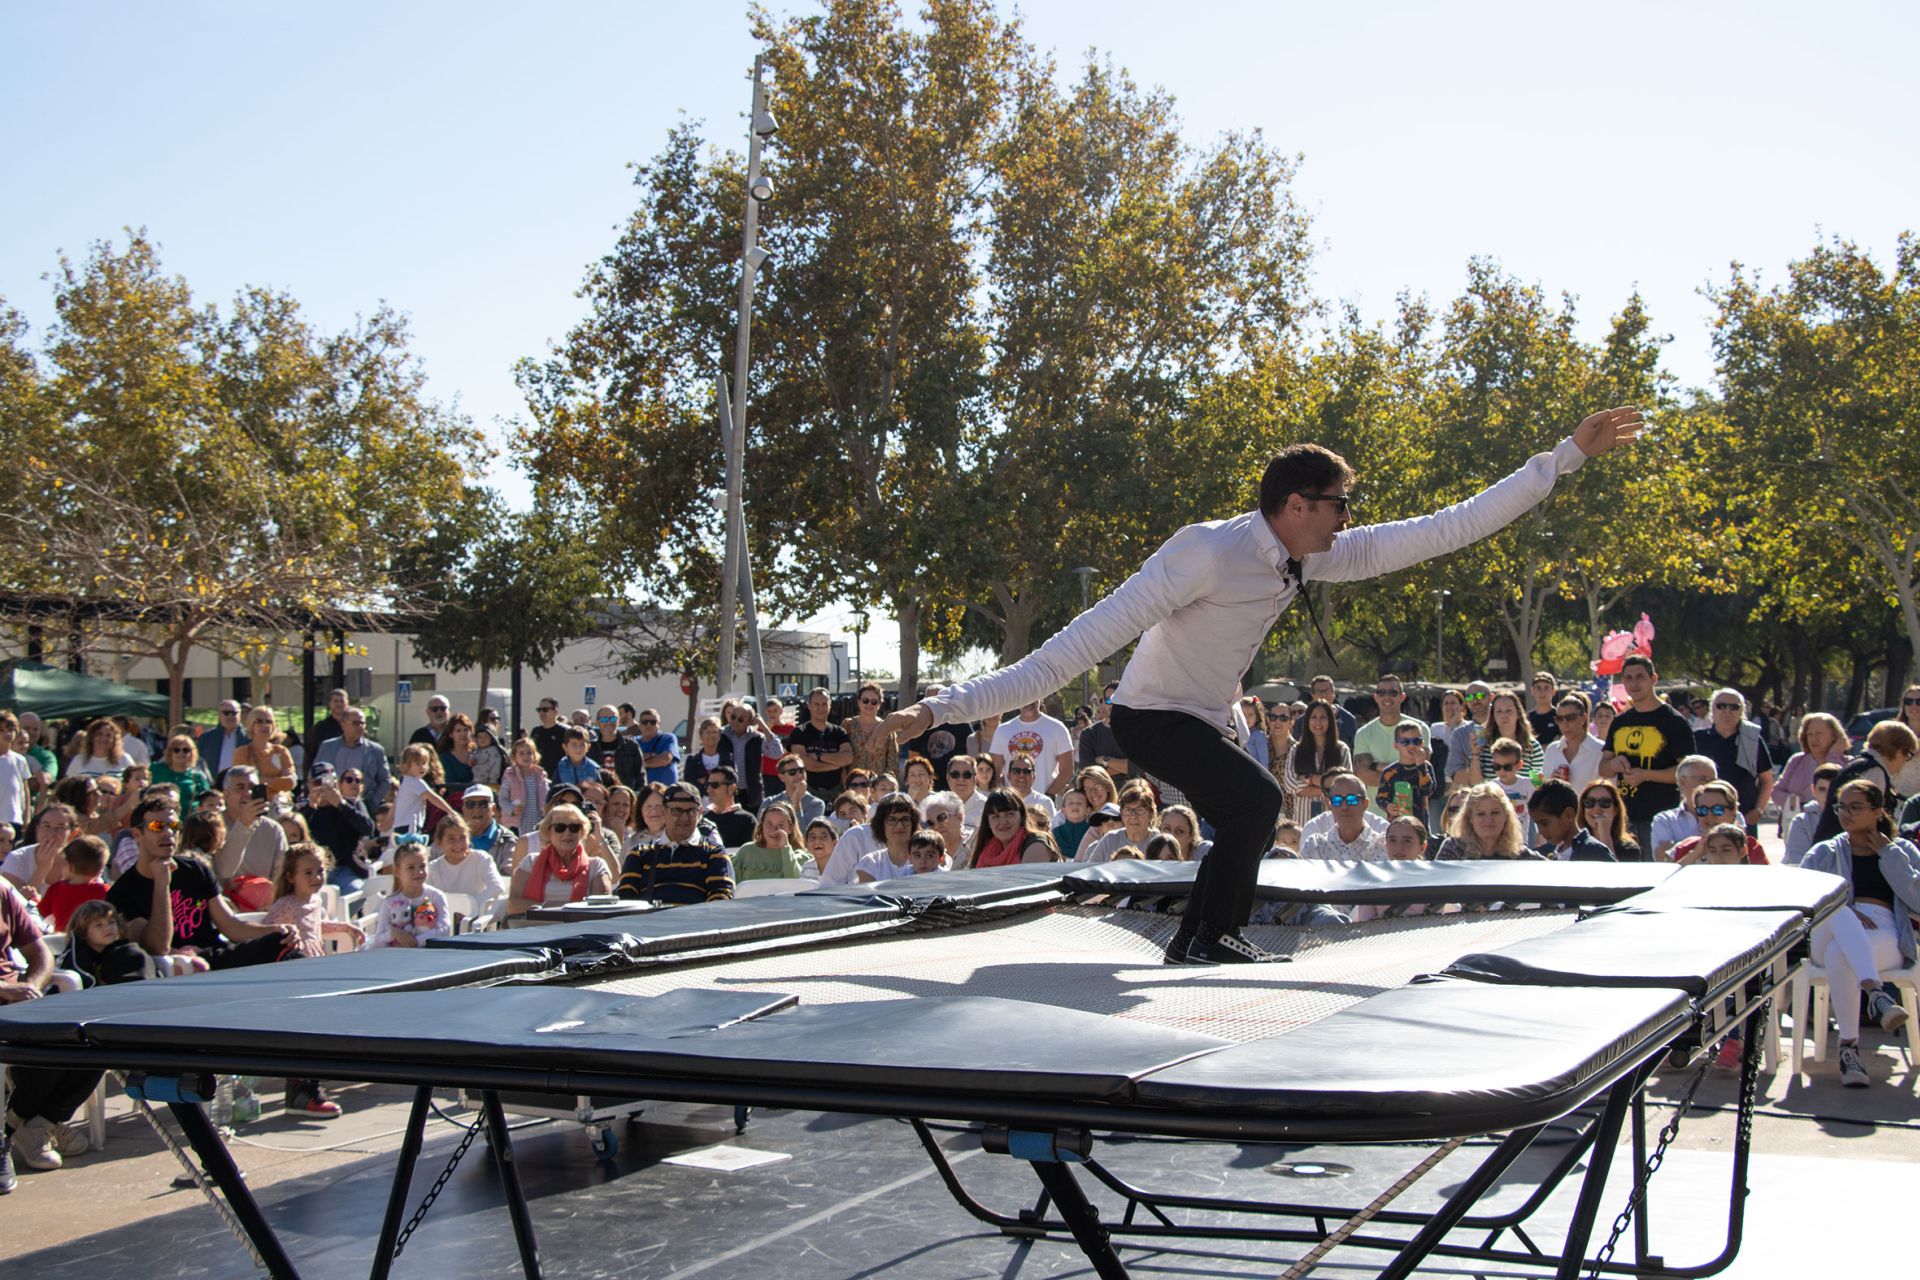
<point x="158" y="855"/>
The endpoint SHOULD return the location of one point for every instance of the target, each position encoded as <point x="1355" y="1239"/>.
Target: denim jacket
<point x="1899" y="862"/>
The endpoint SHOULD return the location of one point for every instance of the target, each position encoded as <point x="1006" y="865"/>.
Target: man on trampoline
<point x="1202" y="606"/>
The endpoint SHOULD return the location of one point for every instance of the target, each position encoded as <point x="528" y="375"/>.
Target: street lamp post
<point x="1439" y="631"/>
<point x="760" y="127"/>
<point x="1085" y="573"/>
<point x="859" y="669"/>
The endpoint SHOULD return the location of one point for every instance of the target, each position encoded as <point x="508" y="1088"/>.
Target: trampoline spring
<point x="439" y="1185"/>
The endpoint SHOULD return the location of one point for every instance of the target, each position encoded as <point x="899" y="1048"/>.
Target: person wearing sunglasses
<point x="1716" y="804"/>
<point x="1890" y="747"/>
<point x="1671" y="826"/>
<point x="1374" y="744"/>
<point x="571" y="863"/>
<point x="1097" y="745"/>
<point x="171" y="900"/>
<point x="1604" y="814"/>
<point x="1347" y="836"/>
<point x="179" y="765"/>
<point x="659" y="749"/>
<point x="1574" y="754"/>
<point x="1875" y="934"/>
<point x="1738" y="750"/>
<point x="1554" y="808"/>
<point x="797" y="795"/>
<point x="682" y="869"/>
<point x="611" y="749"/>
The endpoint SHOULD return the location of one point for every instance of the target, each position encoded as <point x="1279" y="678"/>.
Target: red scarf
<point x="549" y="864"/>
<point x="995" y="854"/>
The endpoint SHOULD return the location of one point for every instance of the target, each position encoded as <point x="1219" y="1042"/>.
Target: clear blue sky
<point x="464" y="162"/>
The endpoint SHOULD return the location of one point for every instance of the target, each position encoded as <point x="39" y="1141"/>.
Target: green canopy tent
<point x="53" y="693"/>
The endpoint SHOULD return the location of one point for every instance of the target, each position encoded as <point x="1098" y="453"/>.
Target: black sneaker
<point x="1176" y="952"/>
<point x="1210" y="947"/>
<point x="7" y="1179"/>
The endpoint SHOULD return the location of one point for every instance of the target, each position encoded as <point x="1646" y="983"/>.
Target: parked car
<point x="1862" y="724"/>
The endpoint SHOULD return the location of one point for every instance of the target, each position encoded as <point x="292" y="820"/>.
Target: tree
<point x="194" y="480"/>
<point x="1821" y="382"/>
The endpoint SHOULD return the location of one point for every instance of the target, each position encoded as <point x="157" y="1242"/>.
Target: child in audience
<point x="1286" y="839"/>
<point x="1406" y="839"/>
<point x="1125" y="852"/>
<point x="1071" y="827"/>
<point x="1408" y="785"/>
<point x="458" y="869"/>
<point x="421" y="778"/>
<point x="414" y="911"/>
<point x="927" y="851"/>
<point x="86" y="858"/>
<point x="821" y="836"/>
<point x="296" y="900"/>
<point x="98" y="952"/>
<point x="1724" y="846"/>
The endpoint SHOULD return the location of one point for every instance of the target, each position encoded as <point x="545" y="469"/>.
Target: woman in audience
<point x="1574" y="756"/>
<point x="917" y="777"/>
<point x="1604" y="815"/>
<point x="616" y="819"/>
<point x="1097" y="785"/>
<point x="650" y="826"/>
<point x="456" y="755"/>
<point x="261" y="752"/>
<point x="1004" y="836"/>
<point x="1823" y="740"/>
<point x="988" y="773"/>
<point x="775" y="852"/>
<point x="1486" y="827"/>
<point x="1507" y="718"/>
<point x="564" y="870"/>
<point x="705" y="756"/>
<point x="102" y="755"/>
<point x="489" y="758"/>
<point x="180" y="765"/>
<point x="946" y="813"/>
<point x="1180" y="822"/>
<point x="1875" y="934"/>
<point x="1455" y="729"/>
<point x="894" y="822"/>
<point x="1716" y="804"/>
<point x="1139" y="820"/>
<point x="1317" y="752"/>
<point x="874" y="751"/>
<point x="1907" y="781"/>
<point x="295" y="828"/>
<point x="85" y="797"/>
<point x="1259" y="746"/>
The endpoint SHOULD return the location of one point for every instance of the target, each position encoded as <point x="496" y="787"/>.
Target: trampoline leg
<point x="1511" y="1148"/>
<point x="402" y="1183"/>
<point x="502" y="1146"/>
<point x="1573" y="1255"/>
<point x="1082" y="1218"/>
<point x="1642" y="1233"/>
<point x="218" y="1162"/>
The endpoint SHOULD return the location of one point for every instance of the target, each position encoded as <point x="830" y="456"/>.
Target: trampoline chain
<point x="439" y="1185"/>
<point x="1642" y="1177"/>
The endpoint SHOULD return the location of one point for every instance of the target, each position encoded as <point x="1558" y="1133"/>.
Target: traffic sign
<point x="403" y="692"/>
<point x="592" y="695"/>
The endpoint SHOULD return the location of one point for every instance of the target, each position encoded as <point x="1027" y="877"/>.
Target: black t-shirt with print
<point x="1656" y="739"/>
<point x="809" y="738"/>
<point x="193" y="889"/>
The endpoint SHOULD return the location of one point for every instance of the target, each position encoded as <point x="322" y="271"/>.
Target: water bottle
<point x="246" y="1102"/>
<point x="221" y="1109"/>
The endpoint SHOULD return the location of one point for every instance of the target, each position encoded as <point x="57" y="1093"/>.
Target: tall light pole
<point x="1439" y="631"/>
<point x="859" y="669"/>
<point x="1085" y="573"/>
<point x="760" y="127"/>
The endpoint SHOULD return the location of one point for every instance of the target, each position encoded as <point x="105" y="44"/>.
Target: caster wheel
<point x="605" y="1142"/>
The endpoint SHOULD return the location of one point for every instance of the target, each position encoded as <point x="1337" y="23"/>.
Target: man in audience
<point x="170" y="903"/>
<point x="1323" y="691"/>
<point x="1020" y="771"/>
<point x="1036" y="734"/>
<point x="549" y="736"/>
<point x="681" y="869"/>
<point x="1645" y="744"/>
<point x="822" y="746"/>
<point x="610" y="749"/>
<point x="1545" y="692"/>
<point x="734" y="823"/>
<point x="659" y="750"/>
<point x="255" y="840"/>
<point x="1373" y="743"/>
<point x="1349" y="837"/>
<point x="1671" y="826"/>
<point x="1097" y="743"/>
<point x="1554" y="807"/>
<point x="1738" y="750"/>
<point x="806" y="805"/>
<point x="439" y="712"/>
<point x="335" y="722"/>
<point x="744" y="744"/>
<point x="218" y="744"/>
<point x="485" y="834"/>
<point x="42" y="1099"/>
<point x="353" y="752"/>
<point x="338" y="823"/>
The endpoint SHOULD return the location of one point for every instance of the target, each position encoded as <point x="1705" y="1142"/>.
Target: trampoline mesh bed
<point x="1107" y="961"/>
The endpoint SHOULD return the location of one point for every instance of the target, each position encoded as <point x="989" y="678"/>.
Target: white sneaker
<point x="33" y="1145"/>
<point x="70" y="1141"/>
<point x="1853" y="1074"/>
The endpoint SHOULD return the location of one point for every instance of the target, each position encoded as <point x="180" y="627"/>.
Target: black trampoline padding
<point x="65" y="1017"/>
<point x="1694" y="951"/>
<point x="985" y="887"/>
<point x="704" y="926"/>
<point x="1814" y="894"/>
<point x="1457" y="1057"/>
<point x="975" y="1046"/>
<point x="1392" y="883"/>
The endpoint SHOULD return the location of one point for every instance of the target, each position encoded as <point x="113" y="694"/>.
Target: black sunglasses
<point x="1339" y="499"/>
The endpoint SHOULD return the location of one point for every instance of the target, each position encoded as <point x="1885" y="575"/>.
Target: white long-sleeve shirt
<point x="1203" y="603"/>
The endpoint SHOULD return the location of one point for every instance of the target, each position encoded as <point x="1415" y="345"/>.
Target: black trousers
<point x="1228" y="787"/>
<point x="49" y="1093"/>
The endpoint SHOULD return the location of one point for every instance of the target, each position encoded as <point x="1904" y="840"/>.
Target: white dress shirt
<point x="1203" y="604"/>
<point x="1585" y="767"/>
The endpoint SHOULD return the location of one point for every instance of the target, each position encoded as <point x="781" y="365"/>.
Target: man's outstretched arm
<point x="1376" y="549"/>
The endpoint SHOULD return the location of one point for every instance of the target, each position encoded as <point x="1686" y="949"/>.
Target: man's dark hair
<point x="627" y="707"/>
<point x="723" y="773"/>
<point x="153" y="804"/>
<point x="1301" y="468"/>
<point x="1637" y="660"/>
<point x="1553" y="796"/>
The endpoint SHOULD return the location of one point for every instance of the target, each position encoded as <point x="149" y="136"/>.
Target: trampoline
<point x="1031" y="1001"/>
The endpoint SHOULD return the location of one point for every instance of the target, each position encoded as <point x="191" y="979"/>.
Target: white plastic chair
<point x="1810" y="998"/>
<point x="334" y="903"/>
<point x="772" y="887"/>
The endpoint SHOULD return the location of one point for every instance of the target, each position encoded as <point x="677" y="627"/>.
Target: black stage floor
<point x="856" y="1197"/>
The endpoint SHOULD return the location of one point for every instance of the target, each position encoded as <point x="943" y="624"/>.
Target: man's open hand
<point x="1607" y="430"/>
